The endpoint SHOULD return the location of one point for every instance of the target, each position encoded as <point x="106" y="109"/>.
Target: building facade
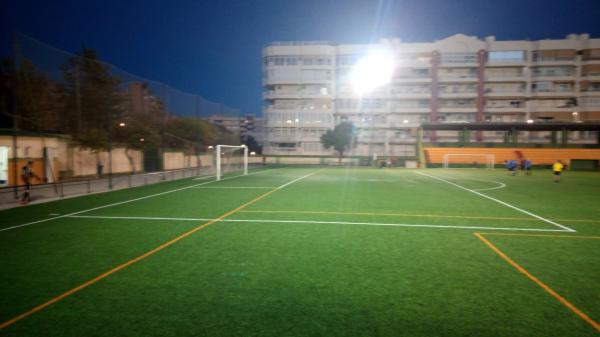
<point x="307" y="91"/>
<point x="248" y="125"/>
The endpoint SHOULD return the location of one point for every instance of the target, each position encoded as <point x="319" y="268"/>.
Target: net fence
<point x="81" y="124"/>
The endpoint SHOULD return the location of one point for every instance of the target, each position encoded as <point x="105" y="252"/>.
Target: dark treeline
<point x="96" y="108"/>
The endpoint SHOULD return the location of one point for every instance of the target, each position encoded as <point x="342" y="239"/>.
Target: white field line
<point x="120" y="203"/>
<point x="313" y="222"/>
<point x="498" y="201"/>
<point x="295" y="180"/>
<point x="500" y="185"/>
<point x="235" y="187"/>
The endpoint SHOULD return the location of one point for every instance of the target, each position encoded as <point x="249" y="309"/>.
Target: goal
<point x="231" y="158"/>
<point x="469" y="160"/>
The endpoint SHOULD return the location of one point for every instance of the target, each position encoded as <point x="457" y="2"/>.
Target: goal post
<point x="469" y="160"/>
<point x="231" y="158"/>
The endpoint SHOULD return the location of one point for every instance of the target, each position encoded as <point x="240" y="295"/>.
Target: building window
<point x="459" y="57"/>
<point x="541" y="86"/>
<point x="506" y="56"/>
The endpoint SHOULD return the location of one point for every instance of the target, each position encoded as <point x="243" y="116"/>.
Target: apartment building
<point x="248" y="125"/>
<point x="307" y="90"/>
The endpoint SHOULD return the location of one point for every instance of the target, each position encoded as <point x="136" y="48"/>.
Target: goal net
<point x="231" y="158"/>
<point x="470" y="160"/>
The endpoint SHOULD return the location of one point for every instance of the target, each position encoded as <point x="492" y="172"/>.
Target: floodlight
<point x="529" y="121"/>
<point x="121" y="124"/>
<point x="372" y="71"/>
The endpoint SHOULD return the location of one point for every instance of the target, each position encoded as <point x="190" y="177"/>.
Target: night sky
<point x="213" y="48"/>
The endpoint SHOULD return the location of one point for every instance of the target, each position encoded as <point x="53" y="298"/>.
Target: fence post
<point x="89" y="186"/>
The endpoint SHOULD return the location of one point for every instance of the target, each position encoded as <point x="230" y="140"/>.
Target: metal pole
<point x="110" y="185"/>
<point x="15" y="110"/>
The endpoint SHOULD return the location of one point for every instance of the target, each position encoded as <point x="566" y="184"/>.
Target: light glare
<point x="372" y="71"/>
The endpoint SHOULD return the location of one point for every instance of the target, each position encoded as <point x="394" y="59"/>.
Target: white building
<point x="461" y="78"/>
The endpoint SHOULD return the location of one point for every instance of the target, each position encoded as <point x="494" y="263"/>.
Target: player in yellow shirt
<point x="557" y="167"/>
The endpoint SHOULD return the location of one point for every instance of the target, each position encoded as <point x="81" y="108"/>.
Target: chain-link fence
<point x="71" y="117"/>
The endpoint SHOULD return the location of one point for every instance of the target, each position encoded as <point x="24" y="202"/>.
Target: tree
<point x="138" y="134"/>
<point x="252" y="144"/>
<point x="188" y="132"/>
<point x="93" y="102"/>
<point x="38" y="99"/>
<point x="340" y="138"/>
<point x="7" y="87"/>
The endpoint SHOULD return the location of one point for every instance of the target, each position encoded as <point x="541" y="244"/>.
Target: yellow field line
<point x="130" y="262"/>
<point x="408" y="215"/>
<point x="537" y="281"/>
<point x="547" y="235"/>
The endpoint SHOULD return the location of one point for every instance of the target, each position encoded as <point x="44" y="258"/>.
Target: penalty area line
<point x="498" y="201"/>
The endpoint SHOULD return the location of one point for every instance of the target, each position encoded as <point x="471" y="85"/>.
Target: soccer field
<point x="310" y="251"/>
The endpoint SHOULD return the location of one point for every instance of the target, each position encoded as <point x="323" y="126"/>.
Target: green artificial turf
<point x="339" y="252"/>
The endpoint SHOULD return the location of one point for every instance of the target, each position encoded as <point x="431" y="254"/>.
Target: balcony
<point x="509" y="77"/>
<point x="414" y="63"/>
<point x="294" y="95"/>
<point x="296" y="109"/>
<point x="591" y="92"/>
<point x="371" y="125"/>
<point x="505" y="63"/>
<point x="457" y="78"/>
<point x="504" y="92"/>
<point x="590" y="76"/>
<point x="457" y="94"/>
<point x="553" y="77"/>
<point x="419" y="109"/>
<point x="505" y="109"/>
<point x="413" y="95"/>
<point x="553" y="60"/>
<point x="411" y="78"/>
<point x="289" y="138"/>
<point x="553" y="93"/>
<point x="457" y="109"/>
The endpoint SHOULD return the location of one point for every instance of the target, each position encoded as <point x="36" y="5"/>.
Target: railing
<point x="63" y="189"/>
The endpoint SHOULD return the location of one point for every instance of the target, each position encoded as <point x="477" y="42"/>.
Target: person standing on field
<point x="27" y="175"/>
<point x="557" y="168"/>
<point x="527" y="166"/>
